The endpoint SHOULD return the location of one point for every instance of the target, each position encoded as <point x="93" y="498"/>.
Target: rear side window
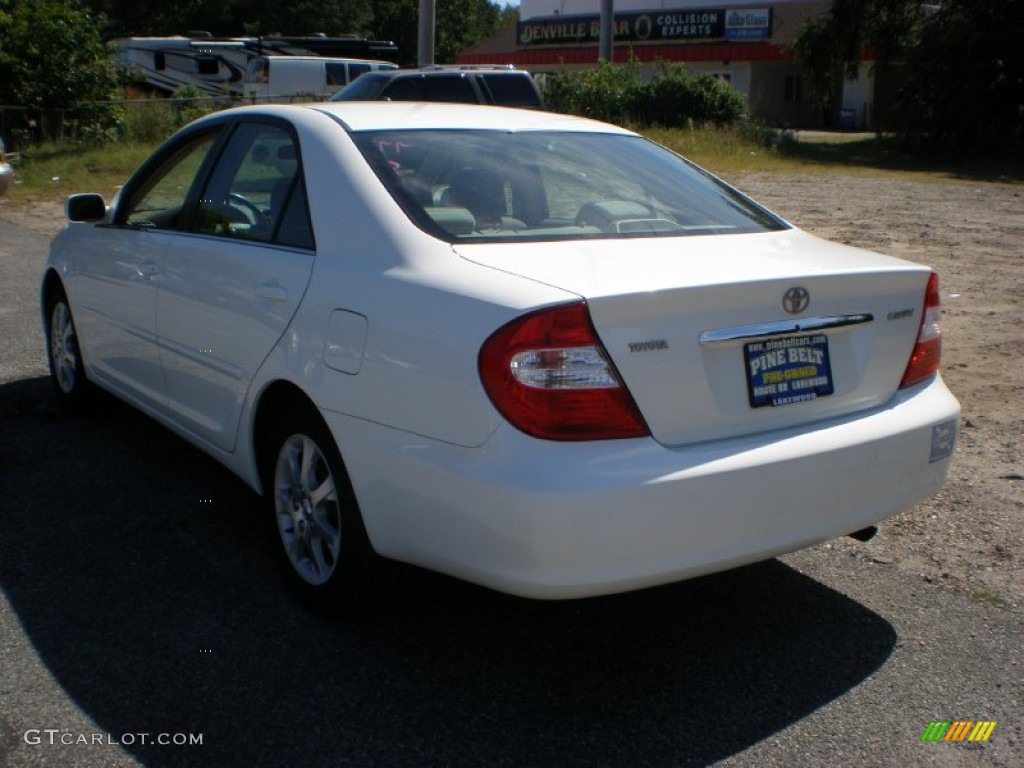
<point x="512" y="90"/>
<point x="256" y="190"/>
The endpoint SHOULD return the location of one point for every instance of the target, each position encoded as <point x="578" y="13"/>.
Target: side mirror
<point x="86" y="207"/>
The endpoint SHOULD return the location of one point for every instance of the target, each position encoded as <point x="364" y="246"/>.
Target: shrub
<point x="617" y="94"/>
<point x="150" y="121"/>
<point x="611" y="92"/>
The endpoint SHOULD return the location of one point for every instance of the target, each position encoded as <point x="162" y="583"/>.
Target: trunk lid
<point x="698" y="330"/>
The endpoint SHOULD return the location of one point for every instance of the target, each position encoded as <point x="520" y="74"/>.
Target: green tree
<point x="830" y="46"/>
<point x="960" y="63"/>
<point x="458" y="25"/>
<point x="53" y="61"/>
<point x="964" y="81"/>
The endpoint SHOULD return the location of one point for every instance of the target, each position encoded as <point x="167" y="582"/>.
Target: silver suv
<point x="504" y="86"/>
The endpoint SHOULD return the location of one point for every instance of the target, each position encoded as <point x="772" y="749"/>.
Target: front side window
<point x="464" y="185"/>
<point x="158" y="200"/>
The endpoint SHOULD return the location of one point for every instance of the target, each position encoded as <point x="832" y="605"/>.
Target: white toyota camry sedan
<point x="536" y="352"/>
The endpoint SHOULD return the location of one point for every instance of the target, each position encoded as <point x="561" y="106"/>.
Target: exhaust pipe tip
<point x="864" y="534"/>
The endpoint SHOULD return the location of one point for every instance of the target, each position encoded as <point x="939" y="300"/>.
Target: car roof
<point x="437" y="70"/>
<point x="288" y="57"/>
<point x="417" y="115"/>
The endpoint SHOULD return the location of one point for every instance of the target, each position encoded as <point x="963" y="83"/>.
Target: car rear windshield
<point x="468" y="185"/>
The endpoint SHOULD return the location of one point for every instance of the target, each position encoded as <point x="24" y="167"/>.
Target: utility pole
<point x="607" y="31"/>
<point x="426" y="36"/>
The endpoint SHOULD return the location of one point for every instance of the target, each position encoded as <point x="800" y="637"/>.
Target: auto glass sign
<point x="644" y="26"/>
<point x="748" y="23"/>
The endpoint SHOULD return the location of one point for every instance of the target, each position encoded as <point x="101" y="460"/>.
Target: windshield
<point x="496" y="185"/>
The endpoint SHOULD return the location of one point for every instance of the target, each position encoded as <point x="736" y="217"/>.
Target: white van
<point x="291" y="78"/>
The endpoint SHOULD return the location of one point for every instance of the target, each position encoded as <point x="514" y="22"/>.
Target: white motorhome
<point x="217" y="66"/>
<point x="288" y="78"/>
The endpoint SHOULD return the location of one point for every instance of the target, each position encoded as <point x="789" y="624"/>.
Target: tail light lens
<point x="924" y="360"/>
<point x="549" y="376"/>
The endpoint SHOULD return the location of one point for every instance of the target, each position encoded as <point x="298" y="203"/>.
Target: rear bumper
<point x="561" y="520"/>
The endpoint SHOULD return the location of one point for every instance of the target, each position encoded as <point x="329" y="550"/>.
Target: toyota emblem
<point x="795" y="300"/>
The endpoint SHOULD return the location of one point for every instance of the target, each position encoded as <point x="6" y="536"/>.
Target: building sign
<point x="748" y="23"/>
<point x="643" y="27"/>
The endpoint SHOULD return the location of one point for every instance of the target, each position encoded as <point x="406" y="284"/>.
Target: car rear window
<point x="447" y="88"/>
<point x="466" y="186"/>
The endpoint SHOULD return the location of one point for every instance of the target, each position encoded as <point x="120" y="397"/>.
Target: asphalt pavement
<point x="142" y="622"/>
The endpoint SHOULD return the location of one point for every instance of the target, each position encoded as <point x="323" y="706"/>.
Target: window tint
<point x="207" y="65"/>
<point x="405" y="89"/>
<point x="293" y="228"/>
<point x="452" y="89"/>
<point x="355" y="70"/>
<point x="160" y="198"/>
<point x="512" y="90"/>
<point x="476" y="185"/>
<point x="250" y="190"/>
<point x="364" y="89"/>
<point x="336" y="73"/>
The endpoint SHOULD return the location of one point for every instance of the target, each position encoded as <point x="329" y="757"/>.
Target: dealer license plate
<point x="791" y="369"/>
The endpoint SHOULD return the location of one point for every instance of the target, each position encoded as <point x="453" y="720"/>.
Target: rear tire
<point x="314" y="518"/>
<point x="67" y="372"/>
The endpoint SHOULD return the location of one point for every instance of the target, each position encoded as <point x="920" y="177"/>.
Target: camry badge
<point x="795" y="300"/>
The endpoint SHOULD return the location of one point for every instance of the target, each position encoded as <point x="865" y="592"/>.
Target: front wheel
<point x="67" y="373"/>
<point x="316" y="523"/>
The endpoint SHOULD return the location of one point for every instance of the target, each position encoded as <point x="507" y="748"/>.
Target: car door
<point x="116" y="290"/>
<point x="231" y="284"/>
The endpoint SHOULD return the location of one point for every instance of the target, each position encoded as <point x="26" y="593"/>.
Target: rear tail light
<point x="924" y="360"/>
<point x="549" y="376"/>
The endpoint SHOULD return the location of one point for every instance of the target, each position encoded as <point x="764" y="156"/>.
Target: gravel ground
<point x="970" y="537"/>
